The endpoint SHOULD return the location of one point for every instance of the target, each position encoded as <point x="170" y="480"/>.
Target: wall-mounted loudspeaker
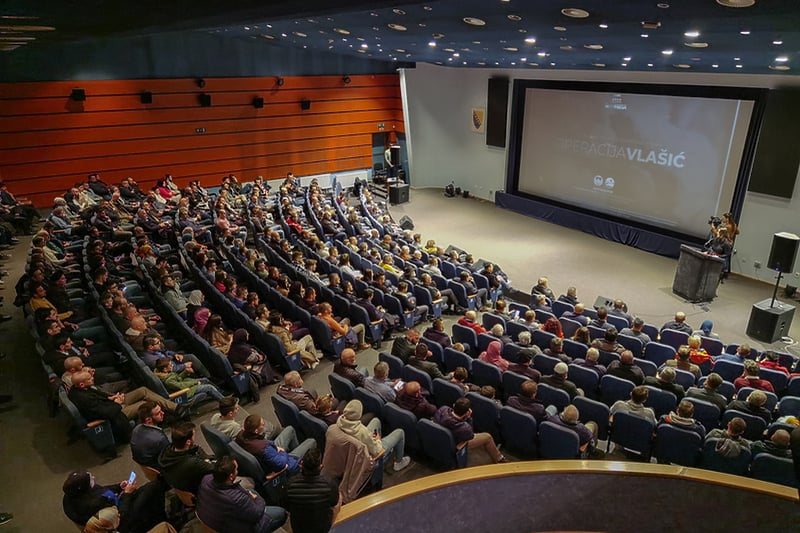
<point x="258" y="102"/>
<point x="78" y="95"/>
<point x="205" y="99"/>
<point x="146" y="97"/>
<point x="783" y="252"/>
<point x="305" y="105"/>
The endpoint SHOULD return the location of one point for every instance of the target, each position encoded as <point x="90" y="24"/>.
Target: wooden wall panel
<point x="48" y="142"/>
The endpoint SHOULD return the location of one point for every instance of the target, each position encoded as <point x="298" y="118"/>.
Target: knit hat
<point x="561" y="368"/>
<point x="353" y="410"/>
<point x="77" y="482"/>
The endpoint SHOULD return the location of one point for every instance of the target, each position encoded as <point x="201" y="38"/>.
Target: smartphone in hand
<point x="132" y="478"/>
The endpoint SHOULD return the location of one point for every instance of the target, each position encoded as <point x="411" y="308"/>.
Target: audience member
<point x="683" y="417"/>
<point x="587" y="433"/>
<point x="591" y="362"/>
<point x="183" y="463"/>
<point x="558" y="379"/>
<point x="225" y="422"/>
<point x="626" y="369"/>
<point x="411" y="398"/>
<point x="678" y="323"/>
<point x="708" y="392"/>
<point x="636" y="330"/>
<point x="370" y="435"/>
<point x="635" y="405"/>
<point x="665" y="380"/>
<point x="285" y="452"/>
<point x="527" y="402"/>
<point x="313" y="500"/>
<point x="458" y="419"/>
<point x="148" y="440"/>
<point x="750" y="378"/>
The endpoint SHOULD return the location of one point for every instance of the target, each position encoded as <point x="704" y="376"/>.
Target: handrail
<point x="398" y="492"/>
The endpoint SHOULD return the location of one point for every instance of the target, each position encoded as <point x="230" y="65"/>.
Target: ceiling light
<point x="593" y="46"/>
<point x="781" y="59"/>
<point x="777" y="42"/>
<point x="779" y="67"/>
<point x="364" y="45"/>
<point x="449" y="50"/>
<point x="17" y="38"/>
<point x="736" y="3"/>
<point x="603" y="26"/>
<point x="745" y="32"/>
<point x="247" y="28"/>
<point x="738" y="66"/>
<point x="552" y="63"/>
<point x="714" y="66"/>
<point x="511" y="49"/>
<point x="574" y="12"/>
<point x="667" y="52"/>
<point x="437" y="35"/>
<point x="644" y="36"/>
<point x="432" y="43"/>
<point x="682" y="65"/>
<point x="398" y="11"/>
<point x="542" y="54"/>
<point x="649" y="64"/>
<point x="600" y="65"/>
<point x="299" y="34"/>
<point x="566" y="47"/>
<point x="427" y="8"/>
<point x="523" y="59"/>
<point x="397" y="27"/>
<point x="737" y="58"/>
<point x="472" y="21"/>
<point x="456" y="54"/>
<point x="515" y="18"/>
<point x="28" y="28"/>
<point x="696" y="45"/>
<point x="530" y="40"/>
<point x="559" y="28"/>
<point x="692" y="34"/>
<point x="9" y="47"/>
<point x="18" y="17"/>
<point x="626" y="58"/>
<point x="662" y="5"/>
<point x="623" y="64"/>
<point x="341" y="31"/>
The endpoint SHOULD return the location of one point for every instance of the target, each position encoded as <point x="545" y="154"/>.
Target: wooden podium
<point x="697" y="275"/>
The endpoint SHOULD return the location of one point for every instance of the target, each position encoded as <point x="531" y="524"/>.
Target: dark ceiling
<point x="681" y="35"/>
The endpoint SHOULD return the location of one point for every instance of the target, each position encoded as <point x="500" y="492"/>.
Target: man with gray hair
<point x="558" y="379"/>
<point x="754" y="405"/>
<point x="635" y="404"/>
<point x="636" y="332"/>
<point x="708" y="392"/>
<point x="499" y="333"/>
<point x="577" y="315"/>
<point x="380" y="383"/>
<point x="524" y="340"/>
<point x="592" y="362"/>
<point x="569" y="418"/>
<point x="665" y="380"/>
<point x="292" y="389"/>
<point x="678" y="324"/>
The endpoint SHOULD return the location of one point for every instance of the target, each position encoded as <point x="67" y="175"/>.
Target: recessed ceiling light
<point x="364" y="45"/>
<point x="626" y="58"/>
<point x="559" y="28"/>
<point x="599" y="65"/>
<point x="736" y="3"/>
<point x="398" y="11"/>
<point x="737" y="58"/>
<point x="649" y="64"/>
<point x="662" y="5"/>
<point x="781" y="59"/>
<point x="299" y="34"/>
<point x="644" y="36"/>
<point x="574" y="12"/>
<point x="267" y="36"/>
<point x="593" y="46"/>
<point x="523" y="59"/>
<point x="603" y="26"/>
<point x="692" y="34"/>
<point x="360" y="51"/>
<point x="427" y="8"/>
<point x="667" y="52"/>
<point x="397" y="27"/>
<point x="400" y="50"/>
<point x="566" y="47"/>
<point x="422" y="25"/>
<point x="511" y="49"/>
<point x="542" y="54"/>
<point x="515" y="18"/>
<point x="738" y="66"/>
<point x="777" y="42"/>
<point x="779" y="67"/>
<point x="247" y="28"/>
<point x="432" y="43"/>
<point x="482" y="63"/>
<point x="696" y="44"/>
<point x="449" y="50"/>
<point x="714" y="66"/>
<point x="552" y="63"/>
<point x="745" y="32"/>
<point x="623" y="64"/>
<point x="28" y="28"/>
<point x="438" y="35"/>
<point x="472" y="21"/>
<point x="530" y="40"/>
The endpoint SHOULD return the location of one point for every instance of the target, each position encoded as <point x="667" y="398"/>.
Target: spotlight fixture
<point x="280" y="81"/>
<point x="205" y="99"/>
<point x="346" y="79"/>
<point x="78" y="95"/>
<point x="305" y="104"/>
<point x="200" y="82"/>
<point x="258" y="102"/>
<point x="146" y="97"/>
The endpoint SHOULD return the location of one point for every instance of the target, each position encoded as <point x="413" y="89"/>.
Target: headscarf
<point x="240" y="349"/>
<point x="201" y="317"/>
<point x="195" y="298"/>
<point x="493" y="355"/>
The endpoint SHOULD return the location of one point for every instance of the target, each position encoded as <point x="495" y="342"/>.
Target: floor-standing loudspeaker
<point x="783" y="252"/>
<point x="497" y="112"/>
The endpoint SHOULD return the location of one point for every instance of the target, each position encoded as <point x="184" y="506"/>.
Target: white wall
<point x="437" y="105"/>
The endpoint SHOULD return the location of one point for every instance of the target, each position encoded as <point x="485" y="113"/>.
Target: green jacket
<point x="175" y="382"/>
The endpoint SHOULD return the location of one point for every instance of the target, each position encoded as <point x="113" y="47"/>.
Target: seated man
<point x="577" y="315"/>
<point x="682" y="362"/>
<point x="678" y="324"/>
<point x="708" y="392"/>
<point x="609" y="342"/>
<point x="731" y="438"/>
<point x="742" y="353"/>
<point x="591" y="362"/>
<point x="436" y="333"/>
<point x="380" y="384"/>
<point x="370" y="435"/>
<point x="754" y="405"/>
<point x="223" y="505"/>
<point x="420" y="360"/>
<point x="635" y="405"/>
<point x="558" y="379"/>
<point x="526" y="401"/>
<point x="74" y="364"/>
<point x="636" y="331"/>
<point x="411" y="398"/>
<point x="292" y="390"/>
<point x="409" y="302"/>
<point x="750" y="378"/>
<point x="626" y="369"/>
<point x="556" y="349"/>
<point x="174" y="382"/>
<point x="403" y="347"/>
<point x="665" y="380"/>
<point x="682" y="418"/>
<point x="225" y="420"/>
<point x="346" y="367"/>
<point x="184" y="463"/>
<point x="539" y="303"/>
<point x="587" y="434"/>
<point x="466" y="279"/>
<point x="777" y="445"/>
<point x="542" y="288"/>
<point x="272" y="454"/>
<point x="458" y="419"/>
<point x="118" y="408"/>
<point x="470" y="320"/>
<point x="313" y="500"/>
<point x="523" y="367"/>
<point x="460" y="378"/>
<point x="154" y="350"/>
<point x="148" y="440"/>
<point x="697" y="355"/>
<point x="571" y="296"/>
<point x="602" y="319"/>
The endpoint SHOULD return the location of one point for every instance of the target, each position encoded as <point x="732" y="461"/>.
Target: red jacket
<point x="477" y="328"/>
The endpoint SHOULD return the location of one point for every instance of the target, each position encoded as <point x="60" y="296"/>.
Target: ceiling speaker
<point x="305" y="105"/>
<point x="258" y="102"/>
<point x="205" y="99"/>
<point x="79" y="95"/>
<point x="146" y="97"/>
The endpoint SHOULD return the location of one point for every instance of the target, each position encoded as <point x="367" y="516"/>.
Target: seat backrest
<point x="490" y="319"/>
<point x="755" y="424"/>
<point x="619" y="322"/>
<point x="593" y="411"/>
<point x="446" y="393"/>
<point x="789" y="406"/>
<point x="648" y="367"/>
<point x="217" y="441"/>
<point x="712" y="460"/>
<point x="541" y="338"/>
<point x="574" y="349"/>
<point x="778" y="379"/>
<point x="584" y="378"/>
<point x="661" y="401"/>
<point x="677" y="446"/>
<point x="772" y="399"/>
<point x="411" y="373"/>
<point x="512" y="383"/>
<point x="557" y="442"/>
<point x="713" y="346"/>
<point x="484" y="373"/>
<point x="485" y="415"/>
<point x="552" y="396"/>
<point x="545" y="363"/>
<point x="658" y="353"/>
<point x="559" y="308"/>
<point x="684" y="378"/>
<point x="706" y="413"/>
<point x="248" y="464"/>
<point x="728" y="370"/>
<point x="436" y="349"/>
<point x="313" y="428"/>
<point x="438" y="444"/>
<point x="398" y="418"/>
<point x="484" y="339"/>
<point x="633" y="432"/>
<point x="613" y="388"/>
<point x="542" y="315"/>
<point x="569" y="326"/>
<point x="768" y="467"/>
<point x="464" y="334"/>
<point x="674" y="338"/>
<point x="394" y="362"/>
<point x="519" y="431"/>
<point x="372" y="402"/>
<point x="631" y="343"/>
<point x="453" y="359"/>
<point x="793" y="388"/>
<point x="286" y="411"/>
<point x="513" y="329"/>
<point x="342" y="388"/>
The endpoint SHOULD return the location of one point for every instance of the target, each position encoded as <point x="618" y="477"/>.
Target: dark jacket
<point x="531" y="406"/>
<point x="403" y="348"/>
<point x="310" y="499"/>
<point x="184" y="470"/>
<point x="147" y="443"/>
<point x="349" y="372"/>
<point x="632" y="373"/>
<point x="460" y="429"/>
<point x="94" y="404"/>
<point x="437" y="336"/>
<point x="229" y="507"/>
<point x="431" y="368"/>
<point x="418" y="405"/>
<point x="674" y="388"/>
<point x="560" y="382"/>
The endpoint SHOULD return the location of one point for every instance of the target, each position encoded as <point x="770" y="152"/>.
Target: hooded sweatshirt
<point x="350" y="423"/>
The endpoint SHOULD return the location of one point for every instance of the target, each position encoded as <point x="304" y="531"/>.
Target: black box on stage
<point x="768" y="324"/>
<point x="783" y="251"/>
<point x="398" y="194"/>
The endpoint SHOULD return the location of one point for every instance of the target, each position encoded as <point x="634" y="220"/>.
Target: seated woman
<point x="493" y="355"/>
<point x="216" y="334"/>
<point x="243" y="355"/>
<point x="552" y="325"/>
<point x="582" y="336"/>
<point x="308" y="352"/>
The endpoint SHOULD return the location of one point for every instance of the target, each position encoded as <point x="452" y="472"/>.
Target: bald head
<point x="348" y="356"/>
<point x="570" y="414"/>
<point x="82" y="379"/>
<point x="412" y="388"/>
<point x="781" y="438"/>
<point x="579" y="308"/>
<point x="680" y="316"/>
<point x="626" y="357"/>
<point x="73" y="364"/>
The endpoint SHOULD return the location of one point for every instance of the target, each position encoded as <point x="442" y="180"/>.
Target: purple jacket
<point x="461" y="429"/>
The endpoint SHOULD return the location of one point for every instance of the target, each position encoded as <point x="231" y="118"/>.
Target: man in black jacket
<point x="313" y="501"/>
<point x="184" y="463"/>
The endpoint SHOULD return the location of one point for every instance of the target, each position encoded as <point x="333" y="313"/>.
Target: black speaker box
<point x="768" y="324"/>
<point x="783" y="252"/>
<point x="398" y="194"/>
<point x="146" y="97"/>
<point x="305" y="105"/>
<point x="258" y="102"/>
<point x="497" y="112"/>
<point x="603" y="301"/>
<point x="406" y="223"/>
<point x="205" y="99"/>
<point x="78" y="95"/>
